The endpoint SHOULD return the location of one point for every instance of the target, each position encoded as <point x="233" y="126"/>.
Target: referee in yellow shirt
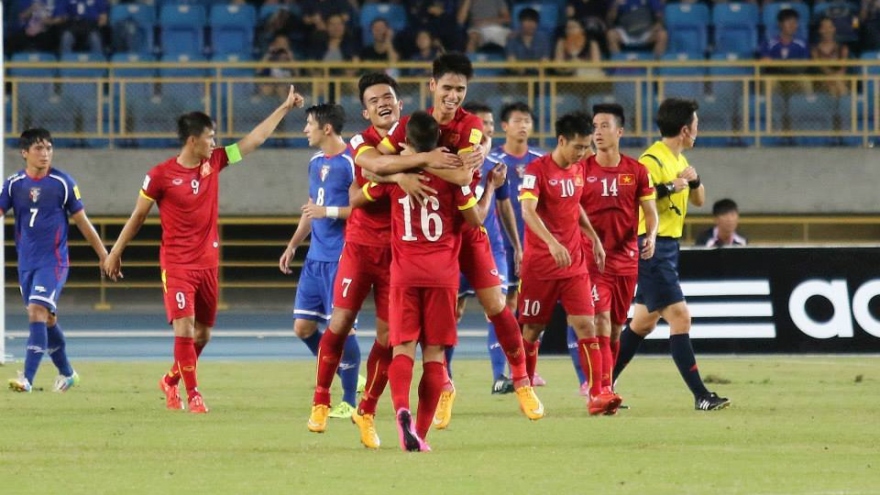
<point x="659" y="292"/>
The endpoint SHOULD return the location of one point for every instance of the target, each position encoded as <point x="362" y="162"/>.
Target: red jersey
<point x="558" y="192"/>
<point x="611" y="198"/>
<point x="460" y="135"/>
<point x="188" y="209"/>
<point x="371" y="225"/>
<point x="424" y="240"/>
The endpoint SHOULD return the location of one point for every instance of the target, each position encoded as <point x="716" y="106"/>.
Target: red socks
<point x="329" y="354"/>
<point x="400" y="377"/>
<point x="510" y="338"/>
<point x="185" y="361"/>
<point x="430" y="387"/>
<point x="531" y="350"/>
<point x="591" y="363"/>
<point x="377" y="377"/>
<point x="607" y="360"/>
<point x="173" y="376"/>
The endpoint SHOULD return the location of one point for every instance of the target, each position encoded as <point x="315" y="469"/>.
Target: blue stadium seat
<point x="728" y="89"/>
<point x="479" y="57"/>
<point x="232" y="29"/>
<point x="184" y="82"/>
<point x="771" y="10"/>
<point x="58" y="113"/>
<point x="736" y="27"/>
<point x="69" y="75"/>
<point x="248" y="112"/>
<point x="813" y="112"/>
<point x="354" y="119"/>
<point x="183" y="29"/>
<point x="35" y="89"/>
<point x="133" y="26"/>
<point x="688" y="28"/>
<point x="871" y="86"/>
<point x="717" y="115"/>
<point x="686" y="88"/>
<point x="845" y="118"/>
<point x="151" y="115"/>
<point x="779" y="119"/>
<point x="548" y="12"/>
<point x="393" y="13"/>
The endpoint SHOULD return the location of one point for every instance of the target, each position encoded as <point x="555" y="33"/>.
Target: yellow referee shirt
<point x="663" y="167"/>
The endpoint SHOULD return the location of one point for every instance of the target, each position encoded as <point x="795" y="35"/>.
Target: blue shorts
<point x="465" y="289"/>
<point x="42" y="286"/>
<point x="513" y="278"/>
<point x="659" y="285"/>
<point x="314" y="293"/>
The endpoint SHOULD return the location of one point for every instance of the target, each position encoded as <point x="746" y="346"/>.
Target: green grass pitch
<point x="798" y="425"/>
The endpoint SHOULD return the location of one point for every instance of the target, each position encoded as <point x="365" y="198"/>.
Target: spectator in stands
<point x="36" y="29"/>
<point x="275" y="65"/>
<point x="724" y="232"/>
<point x="592" y="14"/>
<point x="575" y="45"/>
<point x="529" y="43"/>
<point x="827" y="48"/>
<point x="785" y="47"/>
<point x="382" y="48"/>
<point x="336" y="44"/>
<point x="637" y="24"/>
<point x="85" y="26"/>
<point x="316" y="13"/>
<point x="869" y="19"/>
<point x="281" y="22"/>
<point x="488" y="22"/>
<point x="437" y="16"/>
<point x="427" y="49"/>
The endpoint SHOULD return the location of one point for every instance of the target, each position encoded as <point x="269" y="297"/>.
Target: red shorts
<point x="361" y="268"/>
<point x="191" y="293"/>
<point x="537" y="298"/>
<point x="613" y="293"/>
<point x="476" y="261"/>
<point x="423" y="314"/>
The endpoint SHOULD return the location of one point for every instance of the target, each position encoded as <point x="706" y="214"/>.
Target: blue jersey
<point x="42" y="207"/>
<point x="516" y="166"/>
<point x="329" y="180"/>
<point x="492" y="223"/>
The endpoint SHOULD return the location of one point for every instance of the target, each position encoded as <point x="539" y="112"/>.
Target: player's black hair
<point x="786" y="14"/>
<point x="530" y="14"/>
<point x="328" y="113"/>
<point x="574" y="124"/>
<point x="32" y="136"/>
<point x="673" y="114"/>
<point x="724" y="206"/>
<point x="192" y="124"/>
<point x="452" y="63"/>
<point x="517" y="106"/>
<point x="422" y="131"/>
<point x="476" y="107"/>
<point x="374" y="78"/>
<point x="611" y="108"/>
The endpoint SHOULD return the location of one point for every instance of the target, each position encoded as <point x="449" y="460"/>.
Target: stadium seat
<point x="185" y="83"/>
<point x="35" y="90"/>
<point x="845" y="115"/>
<point x="393" y="13"/>
<point x="688" y="28"/>
<point x="716" y="115"/>
<point x="686" y="88"/>
<point x="69" y="74"/>
<point x="814" y="112"/>
<point x="728" y="89"/>
<point x="133" y="26"/>
<point x="479" y="57"/>
<point x="183" y="29"/>
<point x="873" y="81"/>
<point x="771" y="117"/>
<point x="548" y="12"/>
<point x="736" y="27"/>
<point x="354" y="119"/>
<point x="771" y="10"/>
<point x="232" y="29"/>
<point x="151" y="115"/>
<point x="249" y="112"/>
<point x="58" y="113"/>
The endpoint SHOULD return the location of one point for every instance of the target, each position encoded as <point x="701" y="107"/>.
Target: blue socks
<point x="686" y="361"/>
<point x="348" y="369"/>
<point x="312" y="342"/>
<point x="56" y="350"/>
<point x="496" y="353"/>
<point x="572" y="340"/>
<point x="36" y="347"/>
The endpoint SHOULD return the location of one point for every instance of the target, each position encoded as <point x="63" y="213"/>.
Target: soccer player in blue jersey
<point x="331" y="172"/>
<point x="44" y="198"/>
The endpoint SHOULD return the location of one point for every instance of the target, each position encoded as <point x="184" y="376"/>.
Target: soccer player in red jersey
<point x="186" y="189"/>
<point x="615" y="186"/>
<point x="366" y="257"/>
<point x="554" y="259"/>
<point x="461" y="132"/>
<point x="424" y="280"/>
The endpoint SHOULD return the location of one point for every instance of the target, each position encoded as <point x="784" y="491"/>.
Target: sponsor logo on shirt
<point x="177" y="182"/>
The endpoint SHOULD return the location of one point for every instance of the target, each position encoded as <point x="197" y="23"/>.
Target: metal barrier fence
<point x="742" y="103"/>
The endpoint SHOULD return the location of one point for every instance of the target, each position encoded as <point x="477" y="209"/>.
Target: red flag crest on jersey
<point x="452" y="137"/>
<point x="325" y="170"/>
<point x="35" y="194"/>
<point x="578" y="181"/>
<point x="206" y="169"/>
<point x="626" y="179"/>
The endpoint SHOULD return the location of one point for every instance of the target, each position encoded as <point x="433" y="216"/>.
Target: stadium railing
<point x="251" y="247"/>
<point x="743" y="102"/>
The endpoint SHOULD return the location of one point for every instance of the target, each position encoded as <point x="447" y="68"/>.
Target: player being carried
<point x="615" y="186"/>
<point x="425" y="242"/>
<point x="461" y="133"/>
<point x="186" y="188"/>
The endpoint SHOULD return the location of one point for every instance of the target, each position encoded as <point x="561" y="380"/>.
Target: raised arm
<point x="264" y="129"/>
<point x="113" y="262"/>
